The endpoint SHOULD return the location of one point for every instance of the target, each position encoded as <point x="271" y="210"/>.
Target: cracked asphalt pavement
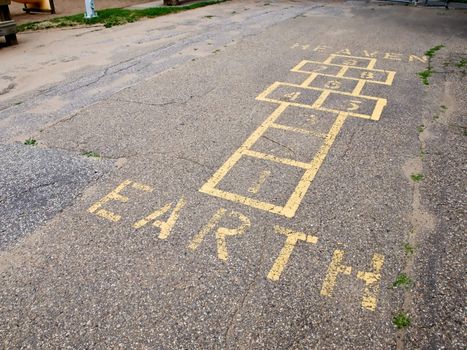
<point x="249" y="175"/>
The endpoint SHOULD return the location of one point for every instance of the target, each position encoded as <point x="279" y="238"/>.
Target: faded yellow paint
<point x="367" y="75"/>
<point x="237" y="198"/>
<point x="423" y="59"/>
<point x="276" y="159"/>
<point x="333" y="84"/>
<point x="262" y="178"/>
<point x="354" y="100"/>
<point x="292" y="238"/>
<point x="393" y="56"/>
<point x="335" y="268"/>
<point x="292" y="96"/>
<point x="297" y="196"/>
<point x="320" y="100"/>
<point x="344" y="52"/>
<point x="325" y="93"/>
<point x="221" y="232"/>
<point x="372" y="279"/>
<point x="300" y="131"/>
<point x="312" y="120"/>
<point x="164" y="226"/>
<point x="321" y="48"/>
<point x="354" y="105"/>
<point x="368" y="54"/>
<point x="299" y="66"/>
<point x="344" y="69"/>
<point x="358" y="89"/>
<point x="141" y="187"/>
<point x="309" y="80"/>
<point x="115" y="195"/>
<point x="351" y="61"/>
<point x="234" y="158"/>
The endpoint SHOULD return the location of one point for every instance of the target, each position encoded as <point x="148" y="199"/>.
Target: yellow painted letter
<point x="369" y="54"/>
<point x="116" y="196"/>
<point x="321" y="48"/>
<point x="344" y="52"/>
<point x="222" y="232"/>
<point x="421" y="59"/>
<point x="335" y="268"/>
<point x="165" y="226"/>
<point x="292" y="238"/>
<point x="392" y="56"/>
<point x="371" y="280"/>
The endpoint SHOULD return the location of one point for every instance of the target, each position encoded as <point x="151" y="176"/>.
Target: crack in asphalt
<point x="250" y="288"/>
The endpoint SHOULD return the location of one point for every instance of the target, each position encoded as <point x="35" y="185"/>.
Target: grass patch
<point x="91" y="154"/>
<point x="416" y="177"/>
<point x="443" y="107"/>
<point x="401" y="320"/>
<point x="402" y="280"/>
<point x="111" y="17"/>
<point x="408" y="249"/>
<point x="30" y="142"/>
<point x="420" y="128"/>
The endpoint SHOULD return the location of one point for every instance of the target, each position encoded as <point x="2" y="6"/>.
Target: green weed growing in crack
<point x="401" y="320"/>
<point x="90" y="154"/>
<point x="428" y="72"/>
<point x="408" y="249"/>
<point x="416" y="177"/>
<point x="30" y="142"/>
<point x="424" y="75"/>
<point x="462" y="63"/>
<point x="402" y="280"/>
<point x="431" y="52"/>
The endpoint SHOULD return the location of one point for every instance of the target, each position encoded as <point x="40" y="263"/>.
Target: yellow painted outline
<point x="272" y="158"/>
<point x="389" y="74"/>
<point x="298" y="130"/>
<point x="377" y="111"/>
<point x="370" y="65"/>
<point x="311" y="169"/>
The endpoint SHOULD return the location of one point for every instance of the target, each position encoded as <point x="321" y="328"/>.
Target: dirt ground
<point x="66" y="7"/>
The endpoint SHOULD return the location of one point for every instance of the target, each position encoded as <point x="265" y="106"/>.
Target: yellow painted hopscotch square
<point x="331" y="92"/>
<point x="294" y="93"/>
<point x="289" y="208"/>
<point x="376" y="76"/>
